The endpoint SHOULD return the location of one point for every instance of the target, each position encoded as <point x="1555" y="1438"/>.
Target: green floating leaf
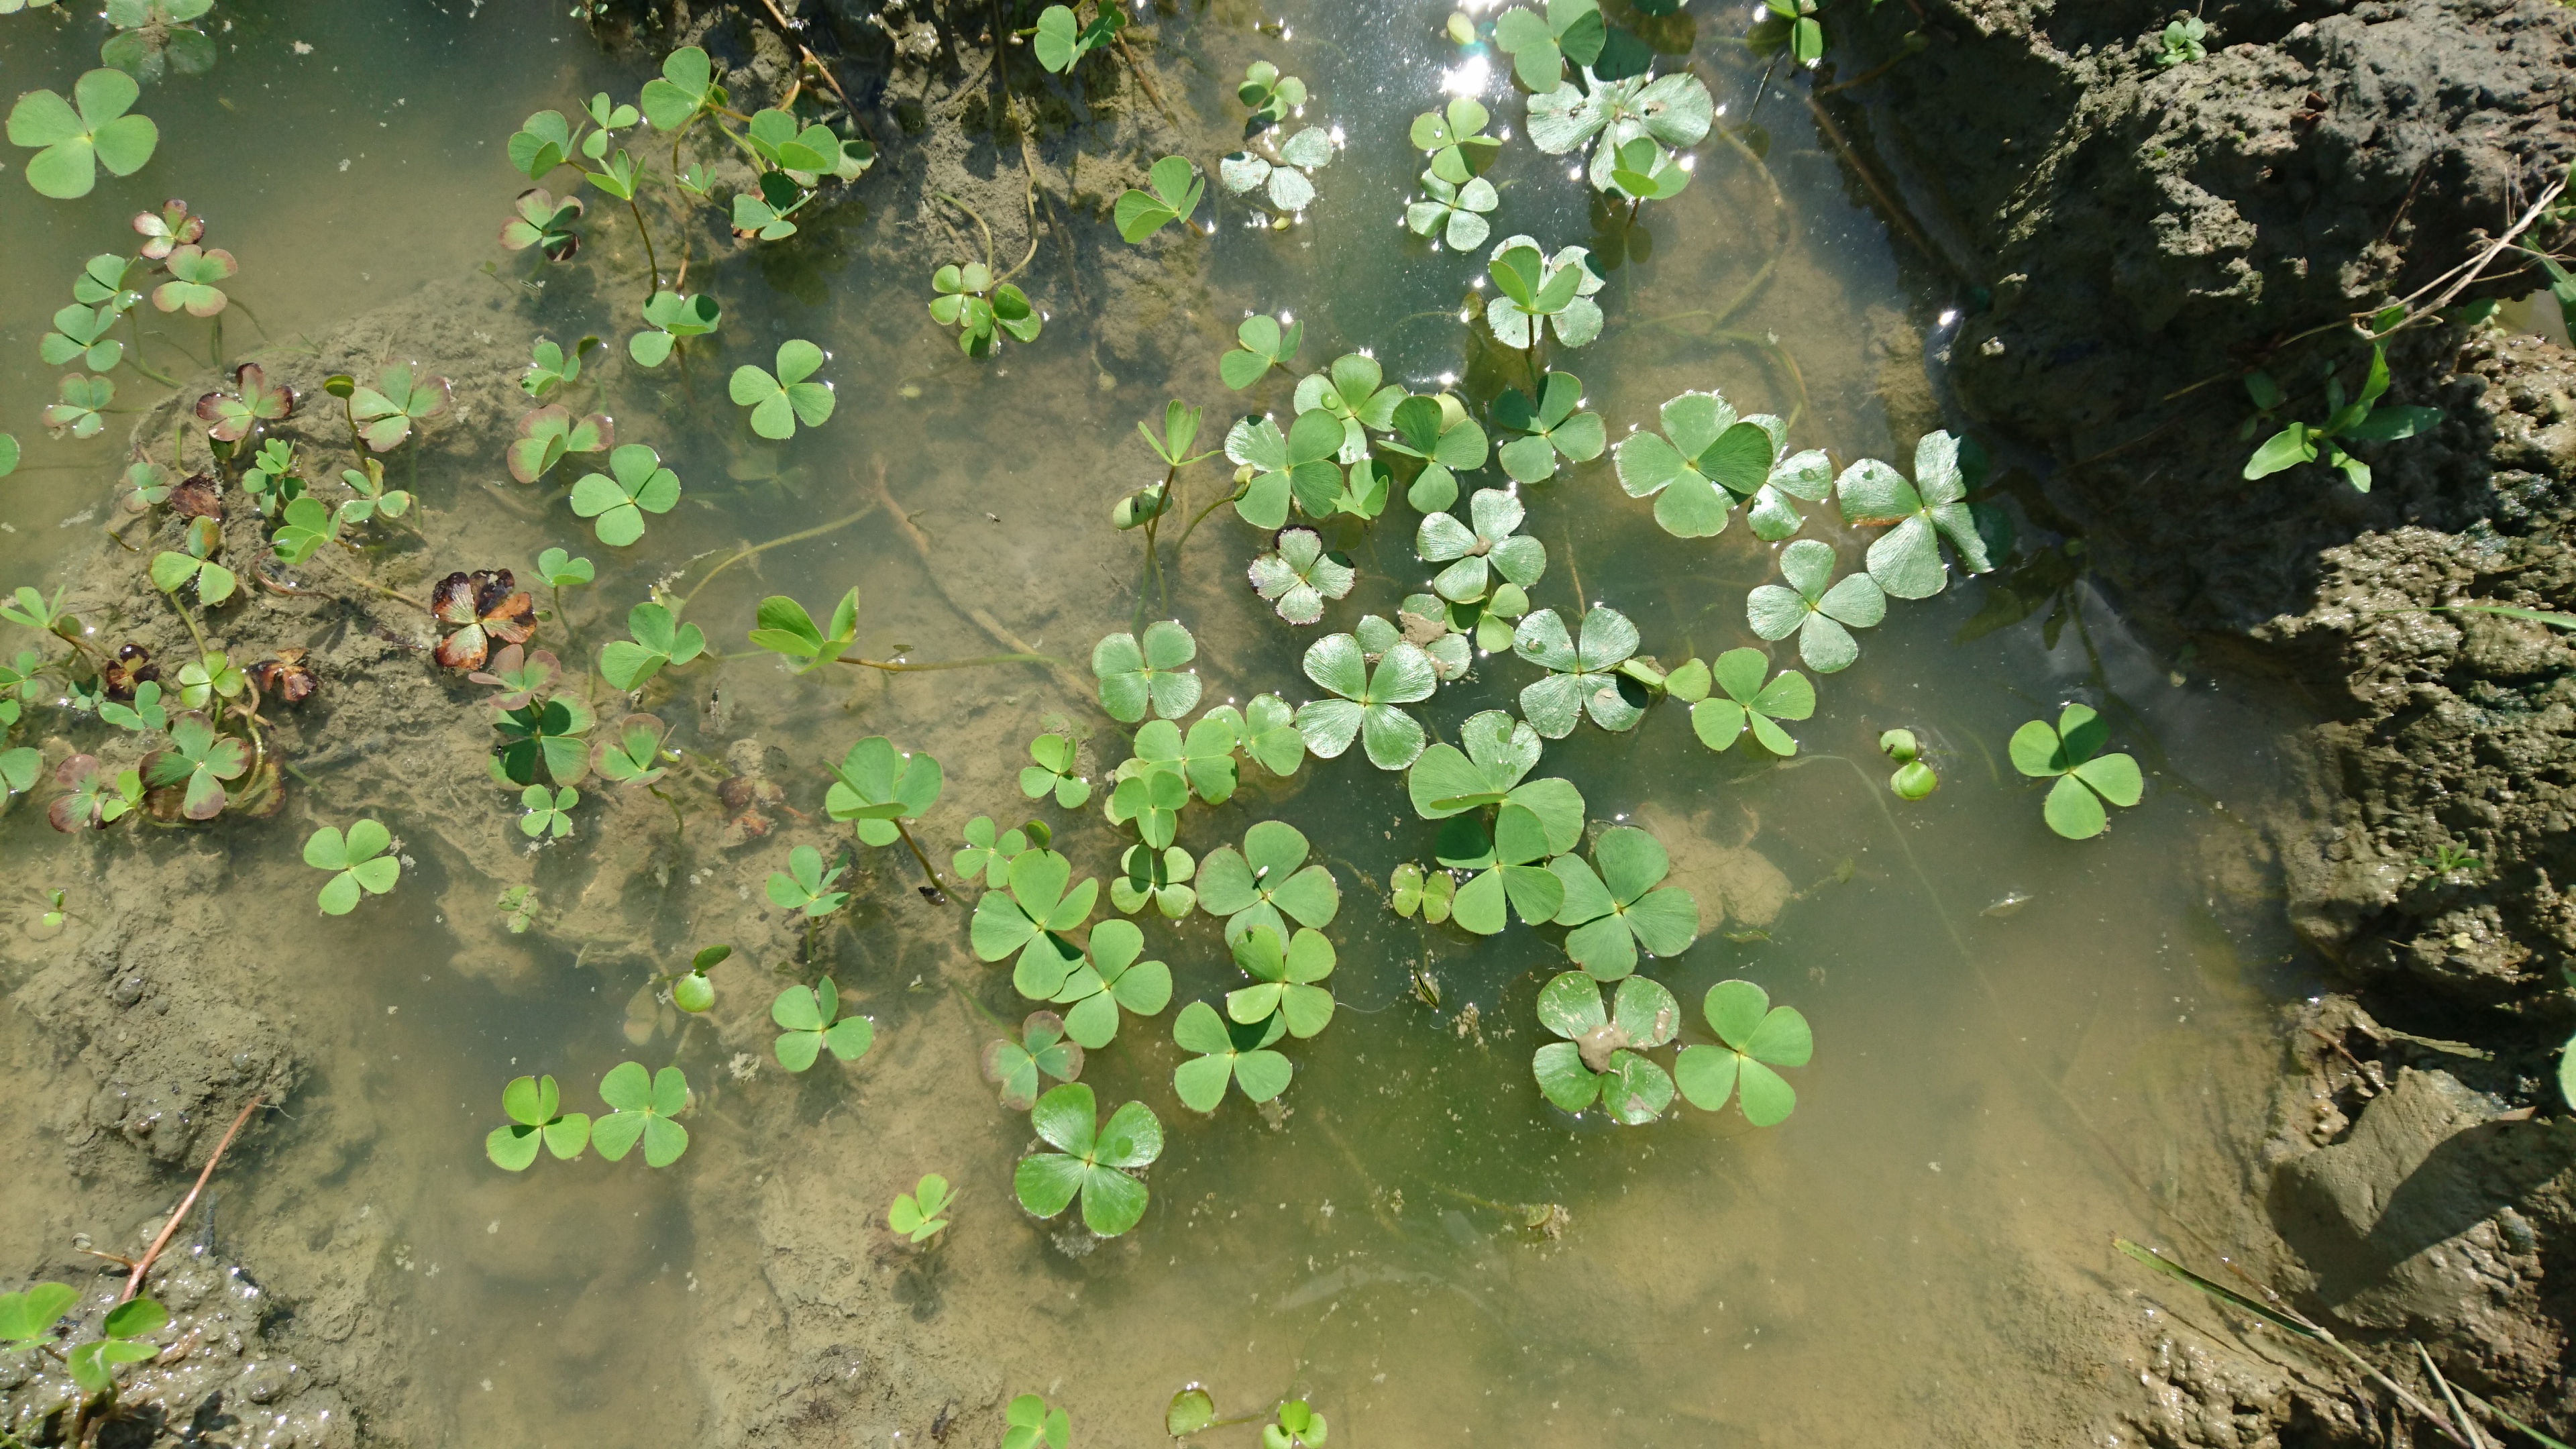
<point x="80" y="135"/>
<point x="533" y="1106"/>
<point x="1094" y="1160"/>
<point x="1754" y="1038"/>
<point x="1751" y="706"/>
<point x="643" y="1106"/>
<point x="781" y="400"/>
<point x="1140" y="674"/>
<point x="2070" y="753"/>
<point x="1600" y="1058"/>
<point x="809" y="1020"/>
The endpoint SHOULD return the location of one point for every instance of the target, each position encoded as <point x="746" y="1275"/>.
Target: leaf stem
<point x="901" y="667"/>
<point x="938" y="886"/>
<point x="749" y="550"/>
<point x="651" y="259"/>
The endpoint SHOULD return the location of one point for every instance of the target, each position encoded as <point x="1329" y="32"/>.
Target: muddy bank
<point x="2156" y="231"/>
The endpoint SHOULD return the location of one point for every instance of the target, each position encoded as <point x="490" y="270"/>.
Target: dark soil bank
<point x="2131" y="238"/>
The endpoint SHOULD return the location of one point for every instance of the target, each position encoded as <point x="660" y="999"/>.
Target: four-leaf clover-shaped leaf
<point x="1137" y="674"/>
<point x="1057" y="756"/>
<point x="988" y="852"/>
<point x="1205" y="757"/>
<point x="1160" y="878"/>
<point x="1227" y="1054"/>
<point x="1014" y="1066"/>
<point x="357" y="860"/>
<point x="1284" y="981"/>
<point x="534" y="1107"/>
<point x="632" y="753"/>
<point x="657" y="638"/>
<point x="1032" y="919"/>
<point x="1289" y="179"/>
<point x="780" y="401"/>
<point x="1541" y="45"/>
<point x="1297" y="575"/>
<point x="194" y="271"/>
<point x="1476" y="554"/>
<point x="1601" y="1057"/>
<point x="804" y="887"/>
<point x="670" y="318"/>
<point x="1355" y="393"/>
<point x="643" y="1106"/>
<point x="1906" y="560"/>
<point x="198" y="760"/>
<point x="809" y="1019"/>
<point x="231" y="415"/>
<point x="1748" y="703"/>
<point x="1447" y="134"/>
<point x="2070" y="751"/>
<point x="82" y="134"/>
<point x="1263" y="884"/>
<point x="546" y="812"/>
<point x="1293" y="466"/>
<point x="82" y="409"/>
<point x="1508" y="867"/>
<point x="546" y="435"/>
<point x="1174" y="191"/>
<point x="1753" y="1038"/>
<point x="1620" y="909"/>
<point x="635" y="484"/>
<point x="542" y="221"/>
<point x="1820" y="612"/>
<point x="1673" y="110"/>
<point x="1367" y="708"/>
<point x="1499" y="752"/>
<point x="1583" y="672"/>
<point x="386" y="413"/>
<point x="1093" y="1160"/>
<point x="1535" y="291"/>
<point x="1109" y="979"/>
<point x="1707" y="460"/>
<point x="877" y="785"/>
<point x="1552" y="428"/>
<point x="1456" y="210"/>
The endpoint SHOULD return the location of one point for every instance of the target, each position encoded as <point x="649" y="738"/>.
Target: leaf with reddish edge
<point x="231" y="415"/>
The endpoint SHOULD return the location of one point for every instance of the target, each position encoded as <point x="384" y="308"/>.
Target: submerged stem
<point x="749" y="550"/>
<point x="939" y="888"/>
<point x="900" y="667"/>
<point x="654" y="284"/>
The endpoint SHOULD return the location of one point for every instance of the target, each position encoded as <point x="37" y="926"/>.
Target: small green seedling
<point x="2449" y="858"/>
<point x="1283" y="169"/>
<point x="1820" y="611"/>
<point x="1297" y="1427"/>
<point x="767" y="214"/>
<point x="1411" y="889"/>
<point x="920" y="1215"/>
<point x="2183" y="42"/>
<point x="1674" y="110"/>
<point x="1585" y="674"/>
<point x="1366" y="706"/>
<point x="539" y="219"/>
<point x="210" y="677"/>
<point x="199" y="761"/>
<point x="785" y="628"/>
<point x="1618" y="905"/>
<point x="123" y="1339"/>
<point x="230" y="416"/>
<point x="27" y="1319"/>
<point x="1033" y="921"/>
<point x="550" y="367"/>
<point x="549" y="433"/>
<point x="978" y="305"/>
<point x="643" y="1107"/>
<point x="167" y="230"/>
<point x="78" y="136"/>
<point x="635" y="484"/>
<point x="1270" y="735"/>
<point x="1057" y="757"/>
<point x="1042" y="1049"/>
<point x="1707" y="459"/>
<point x="1538" y="293"/>
<point x="1297" y="575"/>
<point x="357" y="860"/>
<point x="194" y="272"/>
<point x="1913" y="779"/>
<point x="809" y="1019"/>
<point x="1906" y="560"/>
<point x="1141" y="672"/>
<point x="1553" y="427"/>
<point x="385" y="414"/>
<point x="1264" y="342"/>
<point x="546" y="812"/>
<point x="1227" y="1054"/>
<point x="1284" y="981"/>
<point x="656" y="640"/>
<point x="2359" y="420"/>
<point x="672" y="319"/>
<point x="155" y="36"/>
<point x="1748" y="704"/>
<point x="373" y="499"/>
<point x="306" y="525"/>
<point x="96" y="796"/>
<point x="804" y="887"/>
<point x="1475" y="555"/>
<point x="81" y="406"/>
<point x="1601" y="1057"/>
<point x="1267" y="883"/>
<point x="779" y="401"/>
<point x="1062" y="40"/>
<point x="533" y="1105"/>
<point x="193" y="562"/>
<point x="2070" y="753"/>
<point x="1174" y="188"/>
<point x="1270" y="96"/>
<point x="1093" y="1160"/>
<point x="1028" y="1422"/>
<point x="1753" y="1039"/>
<point x="988" y="854"/>
<point x="1112" y="979"/>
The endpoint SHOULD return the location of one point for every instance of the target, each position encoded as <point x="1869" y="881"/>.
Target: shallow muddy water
<point x="2024" y="1045"/>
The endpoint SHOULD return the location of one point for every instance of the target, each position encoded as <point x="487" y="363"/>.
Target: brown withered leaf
<point x="486" y="607"/>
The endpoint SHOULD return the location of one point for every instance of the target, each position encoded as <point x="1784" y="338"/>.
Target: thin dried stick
<point x="134" y="1280"/>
